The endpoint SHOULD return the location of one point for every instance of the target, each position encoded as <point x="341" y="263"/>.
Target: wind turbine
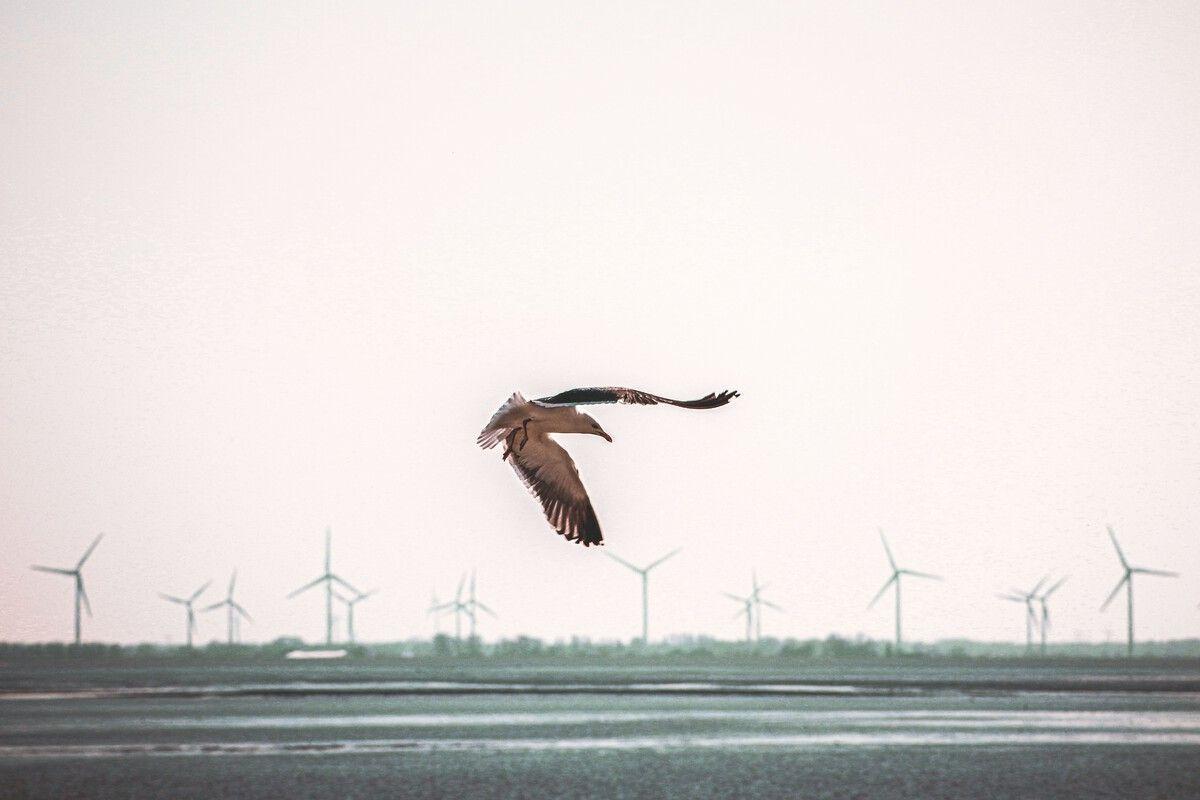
<point x="1028" y="598"/>
<point x="456" y="605"/>
<point x="1127" y="582"/>
<point x="435" y="610"/>
<point x="328" y="578"/>
<point x="645" y="573"/>
<point x="1046" y="610"/>
<point x="234" y="612"/>
<point x="191" y="612"/>
<point x="351" y="602"/>
<point x="895" y="579"/>
<point x="473" y="605"/>
<point x="80" y="592"/>
<point x="756" y="598"/>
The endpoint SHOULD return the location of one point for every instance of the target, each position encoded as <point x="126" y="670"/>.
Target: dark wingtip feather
<point x="710" y="400"/>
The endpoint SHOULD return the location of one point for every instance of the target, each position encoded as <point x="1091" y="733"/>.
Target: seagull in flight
<point x="545" y="467"/>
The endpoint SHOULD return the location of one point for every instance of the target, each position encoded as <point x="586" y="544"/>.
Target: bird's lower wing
<point x="617" y="394"/>
<point x="549" y="473"/>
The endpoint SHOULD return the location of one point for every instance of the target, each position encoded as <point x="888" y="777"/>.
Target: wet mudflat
<point x="691" y="734"/>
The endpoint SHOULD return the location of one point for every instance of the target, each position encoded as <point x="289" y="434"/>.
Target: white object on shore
<point x="316" y="654"/>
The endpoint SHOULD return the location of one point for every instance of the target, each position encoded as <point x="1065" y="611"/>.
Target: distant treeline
<point x="680" y="648"/>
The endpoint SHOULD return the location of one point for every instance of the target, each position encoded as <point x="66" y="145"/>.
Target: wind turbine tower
<point x="328" y="578"/>
<point x="1127" y="582"/>
<point x="759" y="602"/>
<point x="1046" y="609"/>
<point x="233" y="611"/>
<point x="80" y="593"/>
<point x="351" y="602"/>
<point x="1028" y="598"/>
<point x="473" y="606"/>
<point x="191" y="611"/>
<point x="644" y="572"/>
<point x="897" y="572"/>
<point x="457" y="606"/>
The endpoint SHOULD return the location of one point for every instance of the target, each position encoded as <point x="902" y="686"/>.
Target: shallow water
<point x="203" y="735"/>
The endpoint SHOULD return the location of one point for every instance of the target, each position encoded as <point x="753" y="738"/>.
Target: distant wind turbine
<point x="328" y="578"/>
<point x="473" y="606"/>
<point x="1031" y="620"/>
<point x="80" y="592"/>
<point x="1046" y="609"/>
<point x="435" y="611"/>
<point x="455" y="606"/>
<point x="895" y="579"/>
<point x="1127" y="582"/>
<point x="644" y="572"/>
<point x="234" y="612"/>
<point x="756" y="598"/>
<point x="191" y="612"/>
<point x="351" y="602"/>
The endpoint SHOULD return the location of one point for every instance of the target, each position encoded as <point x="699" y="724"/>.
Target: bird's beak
<point x="605" y="435"/>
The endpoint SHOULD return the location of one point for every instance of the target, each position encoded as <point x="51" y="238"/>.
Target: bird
<point x="546" y="468"/>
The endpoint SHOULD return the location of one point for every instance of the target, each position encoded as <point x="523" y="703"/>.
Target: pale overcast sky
<point x="268" y="269"/>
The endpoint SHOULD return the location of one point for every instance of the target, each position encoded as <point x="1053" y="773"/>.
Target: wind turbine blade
<point x="1012" y="597"/>
<point x="769" y="604"/>
<point x="232" y="583"/>
<point x="1113" y="535"/>
<point x="1158" y="572"/>
<point x="1116" y="589"/>
<point x="620" y="560"/>
<point x="83" y="596"/>
<point x="485" y="608"/>
<point x="735" y="597"/>
<point x="741" y="612"/>
<point x="243" y="612"/>
<point x="1038" y="585"/>
<point x="55" y="570"/>
<point x="306" y="587"/>
<point x="1054" y="587"/>
<point x="365" y="595"/>
<point x="173" y="599"/>
<point x="664" y="558"/>
<point x="888" y="550"/>
<point x="215" y="606"/>
<point x="88" y="552"/>
<point x="345" y="584"/>
<point x="339" y="596"/>
<point x="916" y="574"/>
<point x="890" y="581"/>
<point x="328" y="549"/>
<point x="199" y="591"/>
<point x="461" y="583"/>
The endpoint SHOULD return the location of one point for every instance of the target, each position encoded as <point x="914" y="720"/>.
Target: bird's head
<point x="589" y="425"/>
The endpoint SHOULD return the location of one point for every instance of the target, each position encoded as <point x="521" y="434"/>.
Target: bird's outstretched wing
<point x="549" y="473"/>
<point x="616" y="394"/>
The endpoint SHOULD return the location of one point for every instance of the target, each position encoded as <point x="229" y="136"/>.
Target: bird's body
<point x="546" y="469"/>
